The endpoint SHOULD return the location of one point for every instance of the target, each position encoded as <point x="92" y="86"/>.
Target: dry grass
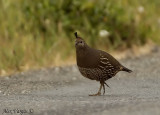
<point x="39" y="33"/>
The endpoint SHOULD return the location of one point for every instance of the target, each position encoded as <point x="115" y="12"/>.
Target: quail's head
<point x="79" y="42"/>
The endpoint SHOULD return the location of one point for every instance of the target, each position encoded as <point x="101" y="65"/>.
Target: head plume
<point x="79" y="42"/>
<point x="76" y="34"/>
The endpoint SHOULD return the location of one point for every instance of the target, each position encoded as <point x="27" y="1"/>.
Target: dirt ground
<point x="63" y="91"/>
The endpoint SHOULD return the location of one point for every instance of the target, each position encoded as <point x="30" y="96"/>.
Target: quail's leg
<point x="106" y="84"/>
<point x="103" y="88"/>
<point x="99" y="92"/>
<point x="103" y="83"/>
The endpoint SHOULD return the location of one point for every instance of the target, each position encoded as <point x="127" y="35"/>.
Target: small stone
<point x="6" y="78"/>
<point x="24" y="91"/>
<point x="56" y="69"/>
<point x="74" y="78"/>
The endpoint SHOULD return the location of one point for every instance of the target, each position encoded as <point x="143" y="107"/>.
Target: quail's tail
<point x="126" y="69"/>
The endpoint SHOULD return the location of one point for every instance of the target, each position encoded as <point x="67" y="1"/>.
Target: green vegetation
<point x="40" y="32"/>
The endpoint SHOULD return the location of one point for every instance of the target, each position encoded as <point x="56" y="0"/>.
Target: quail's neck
<point x="81" y="52"/>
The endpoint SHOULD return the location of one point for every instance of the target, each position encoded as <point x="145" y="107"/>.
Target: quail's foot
<point x="97" y="94"/>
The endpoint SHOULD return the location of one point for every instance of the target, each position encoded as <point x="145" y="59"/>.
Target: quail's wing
<point x="108" y="61"/>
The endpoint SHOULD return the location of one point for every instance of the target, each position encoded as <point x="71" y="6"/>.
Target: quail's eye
<point x="80" y="41"/>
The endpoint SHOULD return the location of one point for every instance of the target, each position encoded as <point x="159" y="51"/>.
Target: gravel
<point x="63" y="91"/>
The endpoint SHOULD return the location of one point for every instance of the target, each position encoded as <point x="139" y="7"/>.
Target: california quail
<point x="96" y="64"/>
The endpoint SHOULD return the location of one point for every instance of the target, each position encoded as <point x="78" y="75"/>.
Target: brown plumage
<point x="96" y="64"/>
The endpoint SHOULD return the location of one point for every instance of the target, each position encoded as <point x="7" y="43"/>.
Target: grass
<point x="39" y="33"/>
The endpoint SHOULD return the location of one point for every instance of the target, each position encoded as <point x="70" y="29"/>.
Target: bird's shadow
<point x="115" y="95"/>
